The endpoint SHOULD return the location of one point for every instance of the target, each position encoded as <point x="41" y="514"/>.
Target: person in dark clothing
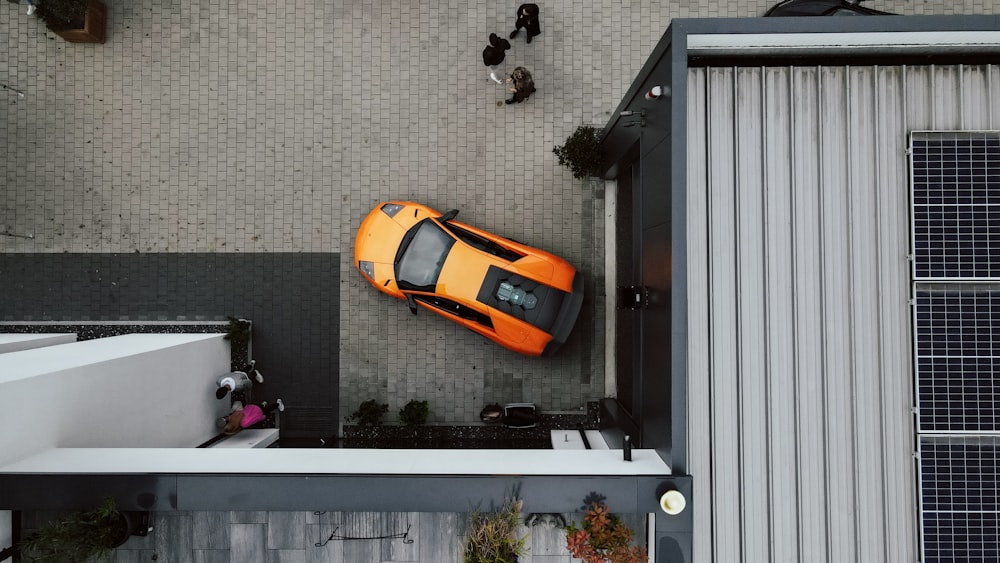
<point x="522" y="85"/>
<point x="527" y="17"/>
<point x="494" y="54"/>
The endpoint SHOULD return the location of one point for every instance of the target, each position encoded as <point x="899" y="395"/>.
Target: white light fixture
<point x="657" y="92"/>
<point x="673" y="502"/>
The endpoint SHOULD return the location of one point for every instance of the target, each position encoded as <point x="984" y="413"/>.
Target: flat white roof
<point x="896" y="43"/>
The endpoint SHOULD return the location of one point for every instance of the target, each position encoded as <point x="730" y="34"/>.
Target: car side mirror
<point x="448" y="216"/>
<point x="412" y="303"/>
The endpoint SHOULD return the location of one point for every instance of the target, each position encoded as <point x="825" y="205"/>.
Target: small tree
<point x="603" y="538"/>
<point x="414" y="413"/>
<point x="581" y="153"/>
<point x="368" y="414"/>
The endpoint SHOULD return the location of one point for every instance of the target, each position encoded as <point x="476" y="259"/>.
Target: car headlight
<point x="391" y="209"/>
<point x="367" y="268"/>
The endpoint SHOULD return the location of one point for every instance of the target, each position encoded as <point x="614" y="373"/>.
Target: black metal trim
<point x="349" y="493"/>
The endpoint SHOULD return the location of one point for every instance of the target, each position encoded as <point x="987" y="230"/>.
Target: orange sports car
<point x="520" y="297"/>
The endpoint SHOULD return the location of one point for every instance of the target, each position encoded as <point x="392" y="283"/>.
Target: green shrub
<point x="493" y="536"/>
<point x="581" y="153"/>
<point x="76" y="537"/>
<point x="61" y="15"/>
<point x="238" y="330"/>
<point x="414" y="413"/>
<point x="368" y="414"/>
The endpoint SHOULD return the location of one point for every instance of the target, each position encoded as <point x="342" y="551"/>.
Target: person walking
<point x="522" y="85"/>
<point x="493" y="55"/>
<point x="527" y="17"/>
<point x="238" y="381"/>
<point x="246" y="416"/>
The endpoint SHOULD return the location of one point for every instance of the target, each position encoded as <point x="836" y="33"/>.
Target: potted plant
<point x="603" y="538"/>
<point x="414" y="414"/>
<point x="238" y="330"/>
<point x="76" y="21"/>
<point x="81" y="535"/>
<point x="492" y="536"/>
<point x="368" y="414"/>
<point x="581" y="153"/>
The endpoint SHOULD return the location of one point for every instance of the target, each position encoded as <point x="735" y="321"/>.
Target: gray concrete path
<point x="251" y="126"/>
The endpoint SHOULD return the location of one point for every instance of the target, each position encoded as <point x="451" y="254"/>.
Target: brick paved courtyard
<point x="261" y="127"/>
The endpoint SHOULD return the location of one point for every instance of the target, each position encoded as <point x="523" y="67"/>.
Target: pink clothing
<point x="251" y="415"/>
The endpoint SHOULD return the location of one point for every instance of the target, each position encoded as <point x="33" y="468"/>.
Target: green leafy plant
<point x="603" y="538"/>
<point x="492" y="536"/>
<point x="368" y="414"/>
<point x="581" y="153"/>
<point x="60" y="15"/>
<point x="238" y="330"/>
<point x="78" y="536"/>
<point x="414" y="413"/>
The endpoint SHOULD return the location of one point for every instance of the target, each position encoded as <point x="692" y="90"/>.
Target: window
<point x="421" y="256"/>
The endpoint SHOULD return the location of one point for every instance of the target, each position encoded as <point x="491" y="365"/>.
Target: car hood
<point x="378" y="238"/>
<point x="379" y="235"/>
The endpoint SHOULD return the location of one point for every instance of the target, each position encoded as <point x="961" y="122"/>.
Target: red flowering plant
<point x="603" y="538"/>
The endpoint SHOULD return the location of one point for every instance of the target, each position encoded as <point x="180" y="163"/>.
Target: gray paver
<point x="250" y="126"/>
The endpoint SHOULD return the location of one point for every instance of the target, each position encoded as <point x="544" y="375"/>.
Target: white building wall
<point x="139" y="390"/>
<point x="800" y="371"/>
<point x="16" y="342"/>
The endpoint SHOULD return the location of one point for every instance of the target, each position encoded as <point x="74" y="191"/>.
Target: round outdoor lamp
<point x="673" y="502"/>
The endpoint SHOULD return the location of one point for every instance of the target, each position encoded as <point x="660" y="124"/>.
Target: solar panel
<point x="960" y="498"/>
<point x="956" y="204"/>
<point x="958" y="356"/>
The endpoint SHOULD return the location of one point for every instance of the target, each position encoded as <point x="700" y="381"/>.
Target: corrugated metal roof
<point x="800" y="359"/>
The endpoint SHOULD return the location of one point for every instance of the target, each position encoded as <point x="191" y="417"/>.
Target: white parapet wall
<point x="132" y="391"/>
<point x="18" y="342"/>
<point x="340" y="461"/>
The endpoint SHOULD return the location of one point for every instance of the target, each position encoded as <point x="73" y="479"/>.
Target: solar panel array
<point x="956" y="205"/>
<point x="956" y="273"/>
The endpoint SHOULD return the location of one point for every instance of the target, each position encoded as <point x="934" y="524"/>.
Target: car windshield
<point x="421" y="255"/>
